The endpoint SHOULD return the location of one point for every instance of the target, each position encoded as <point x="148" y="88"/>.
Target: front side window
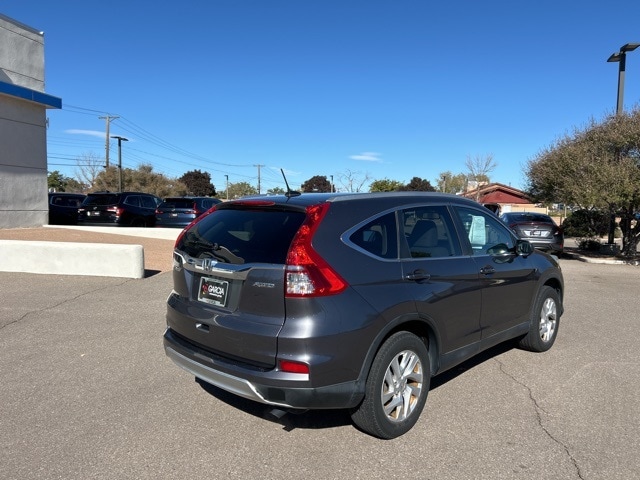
<point x="487" y="235"/>
<point x="429" y="232"/>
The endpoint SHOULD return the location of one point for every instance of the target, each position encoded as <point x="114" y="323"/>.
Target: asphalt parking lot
<point x="87" y="393"/>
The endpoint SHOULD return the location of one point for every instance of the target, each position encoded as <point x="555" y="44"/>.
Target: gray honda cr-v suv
<point x="352" y="301"/>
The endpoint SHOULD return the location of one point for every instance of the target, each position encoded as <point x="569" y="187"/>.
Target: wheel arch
<point x="420" y="327"/>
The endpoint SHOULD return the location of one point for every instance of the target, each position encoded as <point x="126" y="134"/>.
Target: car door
<point x="445" y="282"/>
<point x="507" y="279"/>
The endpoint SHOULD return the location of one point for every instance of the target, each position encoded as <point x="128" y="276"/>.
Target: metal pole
<point x="120" y="140"/>
<point x="621" y="72"/>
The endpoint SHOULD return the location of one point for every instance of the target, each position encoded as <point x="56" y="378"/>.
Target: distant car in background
<point x="540" y="229"/>
<point x="115" y="209"/>
<point x="181" y="211"/>
<point x="63" y="207"/>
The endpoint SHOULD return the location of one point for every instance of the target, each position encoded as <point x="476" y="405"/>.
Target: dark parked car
<point x="354" y="301"/>
<point x="63" y="207"/>
<point x="540" y="229"/>
<point x="130" y="209"/>
<point x="181" y="211"/>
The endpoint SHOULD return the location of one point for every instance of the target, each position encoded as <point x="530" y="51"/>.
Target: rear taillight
<point x="307" y="274"/>
<point x="118" y="210"/>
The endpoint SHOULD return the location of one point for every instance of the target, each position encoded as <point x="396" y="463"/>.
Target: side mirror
<point x="524" y="248"/>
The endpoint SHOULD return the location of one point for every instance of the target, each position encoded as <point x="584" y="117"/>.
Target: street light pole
<point x="621" y="58"/>
<point x="120" y="140"/>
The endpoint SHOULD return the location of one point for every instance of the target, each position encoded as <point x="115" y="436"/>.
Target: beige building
<point x="23" y="126"/>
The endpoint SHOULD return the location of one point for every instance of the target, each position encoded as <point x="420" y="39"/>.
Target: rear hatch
<point x="229" y="279"/>
<point x="99" y="207"/>
<point x="534" y="231"/>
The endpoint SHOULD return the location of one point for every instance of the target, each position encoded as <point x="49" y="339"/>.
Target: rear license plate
<point x="536" y="233"/>
<point x="213" y="291"/>
<point x="173" y="214"/>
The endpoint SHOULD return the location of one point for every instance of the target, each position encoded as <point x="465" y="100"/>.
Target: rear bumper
<point x="270" y="387"/>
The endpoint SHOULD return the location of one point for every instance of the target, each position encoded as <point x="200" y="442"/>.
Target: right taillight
<point x="307" y="274"/>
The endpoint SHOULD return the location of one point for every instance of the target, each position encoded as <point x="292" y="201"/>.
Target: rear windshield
<point x="177" y="203"/>
<point x="528" y="217"/>
<point x="101" y="199"/>
<point x="243" y="236"/>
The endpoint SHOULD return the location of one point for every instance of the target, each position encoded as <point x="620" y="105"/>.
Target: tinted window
<point x="66" y="201"/>
<point x="378" y="237"/>
<point x="177" y="203"/>
<point x="97" y="200"/>
<point x="133" y="200"/>
<point x="243" y="236"/>
<point x="485" y="232"/>
<point x="148" y="202"/>
<point x="527" y="217"/>
<point x="429" y="232"/>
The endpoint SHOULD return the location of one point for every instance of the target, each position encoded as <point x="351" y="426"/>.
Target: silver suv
<point x="352" y="301"/>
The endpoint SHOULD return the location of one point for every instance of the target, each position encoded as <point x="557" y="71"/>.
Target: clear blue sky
<point x="392" y="89"/>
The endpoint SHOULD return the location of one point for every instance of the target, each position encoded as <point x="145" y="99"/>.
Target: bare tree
<point x="479" y="168"/>
<point x="351" y="182"/>
<point x="89" y="166"/>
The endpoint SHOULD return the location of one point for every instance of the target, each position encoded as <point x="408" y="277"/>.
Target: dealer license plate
<point x="213" y="291"/>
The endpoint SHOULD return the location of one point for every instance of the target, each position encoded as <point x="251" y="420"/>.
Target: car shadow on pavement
<point x="291" y="419"/>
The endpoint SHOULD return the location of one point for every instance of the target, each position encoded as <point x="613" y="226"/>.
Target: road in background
<point x="87" y="392"/>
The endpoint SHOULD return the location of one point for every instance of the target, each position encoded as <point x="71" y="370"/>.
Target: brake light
<point x="307" y="274"/>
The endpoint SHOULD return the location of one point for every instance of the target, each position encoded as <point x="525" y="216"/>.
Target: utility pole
<point x="108" y="119"/>
<point x="227" y="182"/>
<point x="120" y="140"/>
<point x="258" y="177"/>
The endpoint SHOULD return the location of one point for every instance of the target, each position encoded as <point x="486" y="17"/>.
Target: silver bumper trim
<point x="235" y="385"/>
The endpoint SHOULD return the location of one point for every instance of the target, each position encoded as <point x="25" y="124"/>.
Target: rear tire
<point x="545" y="320"/>
<point x="396" y="389"/>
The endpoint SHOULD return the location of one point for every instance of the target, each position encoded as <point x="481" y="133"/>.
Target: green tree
<point x="317" y="183"/>
<point x="450" y="183"/>
<point x="198" y="183"/>
<point x="418" y="185"/>
<point x="57" y="181"/>
<point x="276" y="191"/>
<point x="385" y="185"/>
<point x="241" y="189"/>
<point x="595" y="167"/>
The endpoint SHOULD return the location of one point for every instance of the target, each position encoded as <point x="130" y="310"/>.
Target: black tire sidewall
<point x="401" y="341"/>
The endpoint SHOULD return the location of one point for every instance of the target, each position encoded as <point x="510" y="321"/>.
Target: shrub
<point x="586" y="224"/>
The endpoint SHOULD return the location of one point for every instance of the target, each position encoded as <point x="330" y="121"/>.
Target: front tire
<point x="396" y="389"/>
<point x="545" y="320"/>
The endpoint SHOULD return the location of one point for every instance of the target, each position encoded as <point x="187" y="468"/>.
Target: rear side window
<point x="379" y="237"/>
<point x="148" y="202"/>
<point x="243" y="236"/>
<point x="133" y="200"/>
